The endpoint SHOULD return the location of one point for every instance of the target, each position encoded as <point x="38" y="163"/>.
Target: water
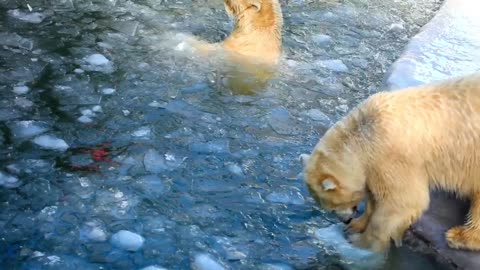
<point x="116" y="131"/>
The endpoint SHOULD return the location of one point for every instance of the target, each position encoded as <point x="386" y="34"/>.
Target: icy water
<point x="118" y="152"/>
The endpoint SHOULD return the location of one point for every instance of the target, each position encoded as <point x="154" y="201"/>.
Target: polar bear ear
<point x="304" y="159"/>
<point x="257" y="4"/>
<point x="328" y="184"/>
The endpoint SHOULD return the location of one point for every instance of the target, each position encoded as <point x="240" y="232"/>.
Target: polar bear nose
<point x="345" y="219"/>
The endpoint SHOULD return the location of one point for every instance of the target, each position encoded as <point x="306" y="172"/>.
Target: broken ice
<point x="127" y="240"/>
<point x="205" y="261"/>
<point x="15" y="40"/>
<point x="152" y="184"/>
<point x="97" y="62"/>
<point x="333" y="65"/>
<point x="27" y="129"/>
<point x="153" y="267"/>
<point x="85" y="119"/>
<point x="97" y="59"/>
<point x="108" y="91"/>
<point x="93" y="231"/>
<point x="217" y="146"/>
<point x="142" y="132"/>
<point x="321" y="39"/>
<point x="8" y="181"/>
<point x="20" y="89"/>
<point x="282" y="122"/>
<point x="332" y="238"/>
<point x="31" y="17"/>
<point x="51" y="142"/>
<point x="154" y="162"/>
<point x="289" y="196"/>
<point x="318" y="115"/>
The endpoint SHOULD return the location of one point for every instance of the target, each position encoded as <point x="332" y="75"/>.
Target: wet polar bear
<point x="253" y="49"/>
<point x="391" y="150"/>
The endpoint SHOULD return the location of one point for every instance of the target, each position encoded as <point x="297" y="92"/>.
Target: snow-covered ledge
<point x="448" y="46"/>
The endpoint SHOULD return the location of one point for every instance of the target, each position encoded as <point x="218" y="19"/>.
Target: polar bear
<point x="391" y="150"/>
<point x="253" y="49"/>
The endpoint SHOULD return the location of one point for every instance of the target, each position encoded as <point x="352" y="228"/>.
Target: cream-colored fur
<point x="257" y="32"/>
<point x="392" y="149"/>
<point x="253" y="48"/>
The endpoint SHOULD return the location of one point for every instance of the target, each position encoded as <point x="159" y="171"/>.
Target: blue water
<point x="104" y="127"/>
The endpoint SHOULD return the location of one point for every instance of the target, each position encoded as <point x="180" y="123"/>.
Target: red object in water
<point x="99" y="154"/>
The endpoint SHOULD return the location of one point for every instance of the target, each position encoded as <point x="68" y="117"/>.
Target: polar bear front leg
<point x="467" y="236"/>
<point x="358" y="225"/>
<point x="391" y="217"/>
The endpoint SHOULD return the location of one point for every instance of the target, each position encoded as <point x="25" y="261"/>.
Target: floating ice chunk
<point x="142" y="132"/>
<point x="157" y="104"/>
<point x="153" y="267"/>
<point x="20" y="89"/>
<point x="207" y="185"/>
<point x="97" y="60"/>
<point x="275" y="266"/>
<point x="96" y="234"/>
<point x="31" y="17"/>
<point x="126" y="27"/>
<point x="37" y="254"/>
<point x="27" y="129"/>
<point x="48" y="213"/>
<point x="93" y="231"/>
<point x="85" y="119"/>
<point x="127" y="240"/>
<point x="8" y="181"/>
<point x="23" y="102"/>
<point x="181" y="46"/>
<point x="396" y="27"/>
<point x="31" y="166"/>
<point x="217" y="146"/>
<point x="333" y="239"/>
<point x="235" y="169"/>
<point x="333" y="65"/>
<point x="183" y="108"/>
<point x="205" y="261"/>
<point x="53" y="259"/>
<point x="342" y="108"/>
<point x="282" y="122"/>
<point x="290" y="196"/>
<point x="51" y="142"/>
<point x="87" y="112"/>
<point x="230" y="250"/>
<point x="108" y="91"/>
<point x="97" y="109"/>
<point x="318" y="115"/>
<point x="321" y="39"/>
<point x="15" y="40"/>
<point x="152" y="184"/>
<point x="154" y="162"/>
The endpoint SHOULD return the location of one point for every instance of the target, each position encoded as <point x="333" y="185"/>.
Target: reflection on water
<point x="105" y="127"/>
